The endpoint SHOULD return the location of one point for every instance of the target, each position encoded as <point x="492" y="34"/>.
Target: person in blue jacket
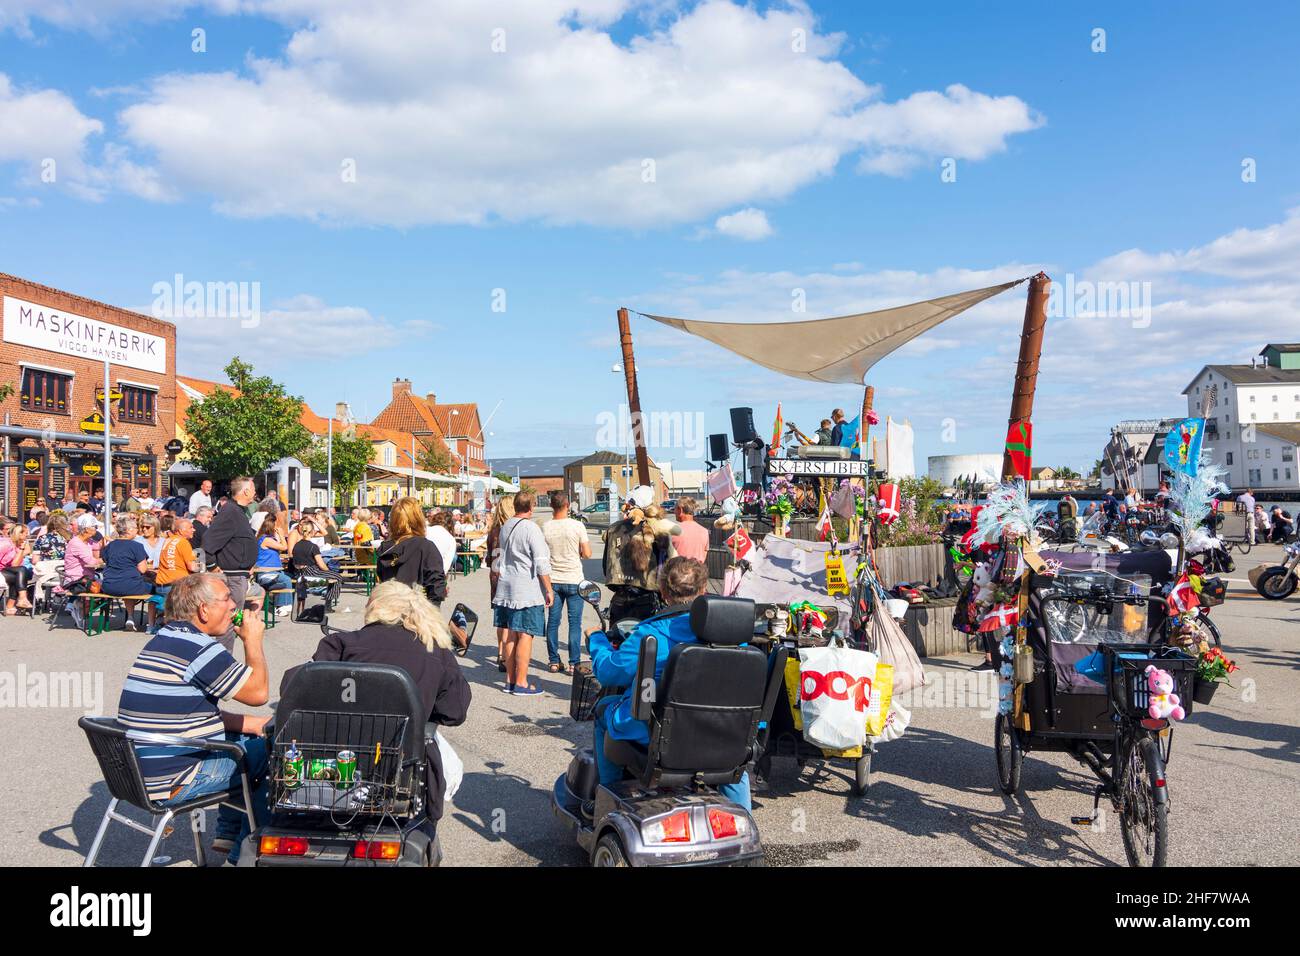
<point x="681" y="581"/>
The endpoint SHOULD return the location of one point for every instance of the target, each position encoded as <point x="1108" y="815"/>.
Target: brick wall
<point x="87" y="375"/>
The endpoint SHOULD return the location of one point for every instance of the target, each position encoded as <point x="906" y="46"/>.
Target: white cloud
<point x="40" y="125"/>
<point x="317" y="330"/>
<point x="703" y="111"/>
<point x="97" y="16"/>
<point x="748" y="224"/>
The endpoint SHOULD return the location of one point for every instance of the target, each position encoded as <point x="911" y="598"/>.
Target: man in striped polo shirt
<point x="174" y="687"/>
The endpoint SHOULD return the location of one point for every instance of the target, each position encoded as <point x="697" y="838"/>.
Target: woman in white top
<point x="439" y="532"/>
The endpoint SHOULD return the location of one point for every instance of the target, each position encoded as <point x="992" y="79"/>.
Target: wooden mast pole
<point x="633" y="398"/>
<point x="1031" y="348"/>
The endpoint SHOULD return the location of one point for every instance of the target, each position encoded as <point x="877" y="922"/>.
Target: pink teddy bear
<point x="1164" y="702"/>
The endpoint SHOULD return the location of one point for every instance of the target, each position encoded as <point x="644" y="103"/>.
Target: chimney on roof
<point x="401" y="385"/>
<point x="1253" y="361"/>
<point x="431" y="398"/>
<point x="343" y="413"/>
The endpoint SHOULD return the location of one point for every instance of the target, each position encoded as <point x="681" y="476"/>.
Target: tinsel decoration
<point x="1190" y="501"/>
<point x="1008" y="513"/>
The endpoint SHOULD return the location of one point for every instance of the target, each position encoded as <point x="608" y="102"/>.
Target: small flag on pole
<point x="777" y="427"/>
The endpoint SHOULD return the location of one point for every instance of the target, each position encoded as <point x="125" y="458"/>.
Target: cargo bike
<point x="1115" y="606"/>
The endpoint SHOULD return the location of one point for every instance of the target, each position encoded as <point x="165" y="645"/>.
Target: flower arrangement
<point x="1212" y="665"/>
<point x="779" y="499"/>
<point x="872" y="417"/>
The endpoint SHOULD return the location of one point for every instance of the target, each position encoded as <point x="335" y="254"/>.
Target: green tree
<point x="435" y="456"/>
<point x="352" y="452"/>
<point x="6" y="391"/>
<point x="1065" y="471"/>
<point x="244" y="431"/>
<point x="1096" y="469"/>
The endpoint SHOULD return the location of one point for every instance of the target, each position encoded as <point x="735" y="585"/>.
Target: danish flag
<point x="740" y="543"/>
<point x="888" y="497"/>
<point x="1002" y="615"/>
<point x="1182" y="598"/>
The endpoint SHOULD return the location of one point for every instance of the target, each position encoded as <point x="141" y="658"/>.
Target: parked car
<point x="594" y="514"/>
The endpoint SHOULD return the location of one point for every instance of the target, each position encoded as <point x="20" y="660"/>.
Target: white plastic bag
<point x="835" y="687"/>
<point x="453" y="769"/>
<point x="896" y="722"/>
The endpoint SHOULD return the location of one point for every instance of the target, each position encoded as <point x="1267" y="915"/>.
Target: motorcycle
<point x="704" y="716"/>
<point x="1278" y="582"/>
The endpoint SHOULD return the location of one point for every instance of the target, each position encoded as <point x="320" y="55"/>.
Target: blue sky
<point x="519" y="170"/>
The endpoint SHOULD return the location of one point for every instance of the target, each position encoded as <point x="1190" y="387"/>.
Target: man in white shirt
<point x="438" y="532"/>
<point x="201" y="498"/>
<point x="567" y="539"/>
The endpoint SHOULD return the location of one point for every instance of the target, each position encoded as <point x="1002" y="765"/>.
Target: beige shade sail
<point x="839" y="349"/>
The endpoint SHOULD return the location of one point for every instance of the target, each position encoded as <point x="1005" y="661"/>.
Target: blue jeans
<point x="566" y="595"/>
<point x="219" y="773"/>
<point x="611" y="773"/>
<point x="274" y="582"/>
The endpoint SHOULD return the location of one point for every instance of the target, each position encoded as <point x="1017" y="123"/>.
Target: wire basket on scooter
<point x="1130" y="694"/>
<point x="307" y="775"/>
<point x="583" y="694"/>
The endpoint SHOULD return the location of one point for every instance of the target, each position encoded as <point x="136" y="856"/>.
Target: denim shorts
<point x="525" y="620"/>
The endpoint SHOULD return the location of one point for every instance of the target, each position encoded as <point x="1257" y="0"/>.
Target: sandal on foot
<point x="558" y="669"/>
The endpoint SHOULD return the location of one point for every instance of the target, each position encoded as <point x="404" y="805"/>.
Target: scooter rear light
<point x="674" y="828"/>
<point x="282" y="846"/>
<point x="376" y="850"/>
<point x="1160" y="781"/>
<point x="723" y="824"/>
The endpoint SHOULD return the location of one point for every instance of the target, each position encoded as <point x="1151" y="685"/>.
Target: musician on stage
<point x="837" y="431"/>
<point x="823" y="433"/>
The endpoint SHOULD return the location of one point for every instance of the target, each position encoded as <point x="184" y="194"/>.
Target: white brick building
<point x="1253" y="425"/>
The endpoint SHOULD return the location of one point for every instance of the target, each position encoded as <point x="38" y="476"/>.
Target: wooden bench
<point x="99" y="610"/>
<point x="268" y="606"/>
<point x="365" y="574"/>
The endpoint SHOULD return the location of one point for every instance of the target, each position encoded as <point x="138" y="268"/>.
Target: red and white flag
<point x="1001" y="615"/>
<point x="968" y="538"/>
<point x="824" y="522"/>
<point x="740" y="543"/>
<point x="1182" y="598"/>
<point x="888" y="498"/>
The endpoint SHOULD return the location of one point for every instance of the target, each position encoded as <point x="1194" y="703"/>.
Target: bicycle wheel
<point x="1143" y="821"/>
<point x="1209" y="630"/>
<point x="1006" y="746"/>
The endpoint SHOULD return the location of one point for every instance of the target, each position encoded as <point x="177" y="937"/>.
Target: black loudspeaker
<point x="718" y="450"/>
<point x="742" y="426"/>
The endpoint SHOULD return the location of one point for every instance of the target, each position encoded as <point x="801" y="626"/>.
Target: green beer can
<point x="294" y="765"/>
<point x="323" y="768"/>
<point x="347" y="767"/>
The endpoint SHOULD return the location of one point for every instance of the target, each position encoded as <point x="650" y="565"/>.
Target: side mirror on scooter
<point x="589" y="591"/>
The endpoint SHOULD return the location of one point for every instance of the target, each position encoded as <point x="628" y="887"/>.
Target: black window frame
<point x="138" y="406"/>
<point x="55" y="393"/>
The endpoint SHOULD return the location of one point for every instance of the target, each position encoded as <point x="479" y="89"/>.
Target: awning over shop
<point x="432" y="477"/>
<point x="839" y="349"/>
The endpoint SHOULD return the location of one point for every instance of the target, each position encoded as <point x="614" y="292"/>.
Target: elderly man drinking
<point x="175" y="686"/>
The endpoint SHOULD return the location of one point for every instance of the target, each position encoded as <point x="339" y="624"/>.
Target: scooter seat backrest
<point x="349" y="692"/>
<point x="722" y="621"/>
<point x="708" y="708"/>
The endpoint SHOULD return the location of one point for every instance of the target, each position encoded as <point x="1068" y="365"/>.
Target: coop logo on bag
<point x="837" y="685"/>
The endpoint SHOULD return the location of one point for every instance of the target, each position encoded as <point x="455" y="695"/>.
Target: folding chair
<point x="113" y="746"/>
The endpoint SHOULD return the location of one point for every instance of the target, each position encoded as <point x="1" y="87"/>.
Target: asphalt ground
<point x="933" y="800"/>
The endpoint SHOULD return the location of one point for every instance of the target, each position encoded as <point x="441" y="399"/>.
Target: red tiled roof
<point x="465" y="422"/>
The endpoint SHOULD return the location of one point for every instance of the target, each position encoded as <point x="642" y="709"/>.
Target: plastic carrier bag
<point x="835" y="689"/>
